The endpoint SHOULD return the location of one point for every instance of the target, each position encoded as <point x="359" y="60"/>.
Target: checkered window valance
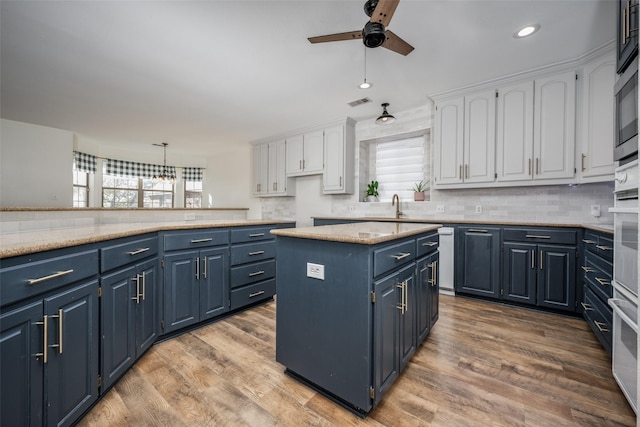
<point x="192" y="174"/>
<point x="85" y="162"/>
<point x="136" y="169"/>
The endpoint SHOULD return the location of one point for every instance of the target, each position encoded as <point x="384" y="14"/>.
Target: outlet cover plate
<point x="315" y="271"/>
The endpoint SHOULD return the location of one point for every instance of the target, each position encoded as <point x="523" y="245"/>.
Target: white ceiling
<point x="201" y="74"/>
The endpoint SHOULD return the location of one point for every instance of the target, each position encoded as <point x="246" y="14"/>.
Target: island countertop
<point x="364" y="233"/>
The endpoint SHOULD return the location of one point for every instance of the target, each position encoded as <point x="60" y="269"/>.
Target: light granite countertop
<point x="23" y="243"/>
<point x="364" y="233"/>
<point x="604" y="228"/>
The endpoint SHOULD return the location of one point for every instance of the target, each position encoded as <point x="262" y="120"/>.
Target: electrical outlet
<point x="315" y="271"/>
<point x="352" y="208"/>
<point x="478" y="209"/>
<point x="440" y="208"/>
<point x="189" y="216"/>
<point x="595" y="210"/>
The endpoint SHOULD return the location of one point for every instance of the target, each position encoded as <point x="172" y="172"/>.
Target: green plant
<point x="372" y="189"/>
<point x="420" y="187"/>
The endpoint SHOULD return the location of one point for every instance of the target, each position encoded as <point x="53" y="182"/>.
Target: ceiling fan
<point x="374" y="33"/>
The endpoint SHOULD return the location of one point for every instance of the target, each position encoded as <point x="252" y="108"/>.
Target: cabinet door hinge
<point x="162" y="263"/>
<point x="99" y="291"/>
<point x="372" y="393"/>
<point x="162" y="324"/>
<point x="99" y="381"/>
<point x="373" y="297"/>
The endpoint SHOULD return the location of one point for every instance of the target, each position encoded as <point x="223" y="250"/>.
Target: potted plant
<point x="418" y="191"/>
<point x="371" y="195"/>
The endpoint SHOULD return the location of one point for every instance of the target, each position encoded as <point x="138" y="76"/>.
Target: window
<point x="193" y="194"/>
<point x="80" y="188"/>
<point x="125" y="192"/>
<point x="399" y="165"/>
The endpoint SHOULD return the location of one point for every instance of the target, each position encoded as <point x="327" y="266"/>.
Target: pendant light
<point x="385" y="118"/>
<point x="164" y="176"/>
<point x="365" y="84"/>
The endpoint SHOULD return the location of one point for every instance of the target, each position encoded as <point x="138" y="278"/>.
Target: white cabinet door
<point x="277" y="173"/>
<point x="598" y="133"/>
<point x="260" y="169"/>
<point x="514" y="134"/>
<point x="479" y="137"/>
<point x="554" y="126"/>
<point x="295" y="146"/>
<point x="313" y="152"/>
<point x="334" y="153"/>
<point x="449" y="141"/>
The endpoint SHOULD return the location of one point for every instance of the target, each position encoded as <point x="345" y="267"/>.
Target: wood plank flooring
<point x="484" y="364"/>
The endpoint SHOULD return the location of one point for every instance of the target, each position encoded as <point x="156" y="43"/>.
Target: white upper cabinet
<point x="260" y="169"/>
<point x="479" y="137"/>
<point x="554" y="121"/>
<point x="514" y="136"/>
<point x="596" y="151"/>
<point x="305" y="154"/>
<point x="339" y="159"/>
<point x="449" y="141"/>
<point x="269" y="174"/>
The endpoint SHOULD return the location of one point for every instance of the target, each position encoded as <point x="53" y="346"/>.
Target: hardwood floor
<point x="484" y="364"/>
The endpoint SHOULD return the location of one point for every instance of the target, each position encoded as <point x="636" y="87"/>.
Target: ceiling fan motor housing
<point x="373" y="34"/>
<point x="370" y="6"/>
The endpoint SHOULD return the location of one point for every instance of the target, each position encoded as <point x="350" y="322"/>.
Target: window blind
<point x="84" y="162"/>
<point x="192" y="174"/>
<point x="399" y="166"/>
<point x="136" y="169"/>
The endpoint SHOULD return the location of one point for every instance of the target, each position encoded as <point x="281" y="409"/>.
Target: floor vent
<point x="359" y="102"/>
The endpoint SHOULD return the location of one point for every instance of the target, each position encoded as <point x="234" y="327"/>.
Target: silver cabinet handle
<point x="601" y="326"/>
<point x="602" y="282"/>
<point x="586" y="307"/>
<point x="429" y="244"/>
<point x="537" y="166"/>
<point x="144" y="286"/>
<point x="477" y="230"/>
<point x="204" y="267"/>
<point x="588" y="242"/>
<point x="255" y="294"/>
<point x="401" y="256"/>
<point x="45" y="333"/>
<point x="139" y="251"/>
<point x="582" y="162"/>
<point x="202" y="240"/>
<point x="533" y="260"/>
<point x="256" y="235"/>
<point x="59" y="317"/>
<point x="256" y="253"/>
<point x="587" y="269"/>
<point x="137" y="297"/>
<point x="198" y="268"/>
<point x="537" y="236"/>
<point x="256" y="273"/>
<point x="604" y="248"/>
<point x="49" y="277"/>
<point x="540" y="259"/>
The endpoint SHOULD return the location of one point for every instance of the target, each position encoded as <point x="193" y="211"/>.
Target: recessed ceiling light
<point x="526" y="31"/>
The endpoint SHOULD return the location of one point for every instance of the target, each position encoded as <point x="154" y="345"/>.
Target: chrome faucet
<point x="395" y="199"/>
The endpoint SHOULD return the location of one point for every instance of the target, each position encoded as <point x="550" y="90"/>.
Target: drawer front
<point x="590" y="240"/>
<point x="251" y="273"/>
<point x="252" y="293"/>
<point x="120" y="254"/>
<point x="195" y="239"/>
<point x="253" y="234"/>
<point x="390" y="257"/>
<point x="33" y="278"/>
<point x="598" y="275"/>
<point x="251" y="252"/>
<point x="565" y="237"/>
<point x="426" y="244"/>
<point x="604" y="248"/>
<point x="600" y="318"/>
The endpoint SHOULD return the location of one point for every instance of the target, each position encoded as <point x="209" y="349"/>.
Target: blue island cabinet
<point x="348" y="311"/>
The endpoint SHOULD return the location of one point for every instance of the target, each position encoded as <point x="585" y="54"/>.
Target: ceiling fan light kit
<point x="164" y="176"/>
<point x="385" y="118"/>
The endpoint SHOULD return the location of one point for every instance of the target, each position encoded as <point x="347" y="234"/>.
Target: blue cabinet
<point x="477" y="255"/>
<point x="427" y="297"/>
<point x="519" y="272"/>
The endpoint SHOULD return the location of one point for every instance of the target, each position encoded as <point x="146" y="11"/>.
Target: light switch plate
<point x="315" y="271"/>
<point x="478" y="209"/>
<point x="595" y="210"/>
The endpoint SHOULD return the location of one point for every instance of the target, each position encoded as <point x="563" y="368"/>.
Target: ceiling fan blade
<point x="384" y="11"/>
<point x="396" y="44"/>
<point x="351" y="35"/>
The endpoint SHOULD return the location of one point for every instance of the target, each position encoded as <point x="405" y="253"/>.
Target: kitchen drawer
<point x="127" y="252"/>
<point x="426" y="244"/>
<point x="253" y="234"/>
<point x="598" y="275"/>
<point x="390" y="257"/>
<point x="599" y="316"/>
<point x="251" y="273"/>
<point x="252" y="293"/>
<point x="39" y="276"/>
<point x="598" y="244"/>
<point x="543" y="235"/>
<point x="195" y="239"/>
<point x="251" y="252"/>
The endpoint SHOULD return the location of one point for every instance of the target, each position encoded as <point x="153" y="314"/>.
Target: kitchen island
<point x="354" y="303"/>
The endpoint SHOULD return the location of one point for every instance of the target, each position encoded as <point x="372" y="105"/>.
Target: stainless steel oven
<point x="625" y="345"/>
<point x="626" y="114"/>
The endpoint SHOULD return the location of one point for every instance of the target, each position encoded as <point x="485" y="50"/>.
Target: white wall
<point x="35" y="165"/>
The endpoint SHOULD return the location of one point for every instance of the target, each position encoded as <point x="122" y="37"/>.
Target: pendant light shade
<point x="385" y="118"/>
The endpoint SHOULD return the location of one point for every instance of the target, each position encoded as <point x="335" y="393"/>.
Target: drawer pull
<point x="59" y="317"/>
<point x="202" y="240"/>
<point x="536" y="236"/>
<point x="204" y="267"/>
<point x="600" y="326"/>
<point x="45" y="353"/>
<point x="586" y="307"/>
<point x="255" y="294"/>
<point x="477" y="230"/>
<point x="603" y="282"/>
<point x="401" y="256"/>
<point x="256" y="235"/>
<point x="139" y="251"/>
<point x="256" y="253"/>
<point x="604" y="248"/>
<point x="256" y="273"/>
<point x="434" y="274"/>
<point x="587" y="269"/>
<point x="49" y="277"/>
<point x="137" y="297"/>
<point x="588" y="242"/>
<point x="430" y="244"/>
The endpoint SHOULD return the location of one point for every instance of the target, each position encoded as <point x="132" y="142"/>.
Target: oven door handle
<point x="624" y="210"/>
<point x="613" y="302"/>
